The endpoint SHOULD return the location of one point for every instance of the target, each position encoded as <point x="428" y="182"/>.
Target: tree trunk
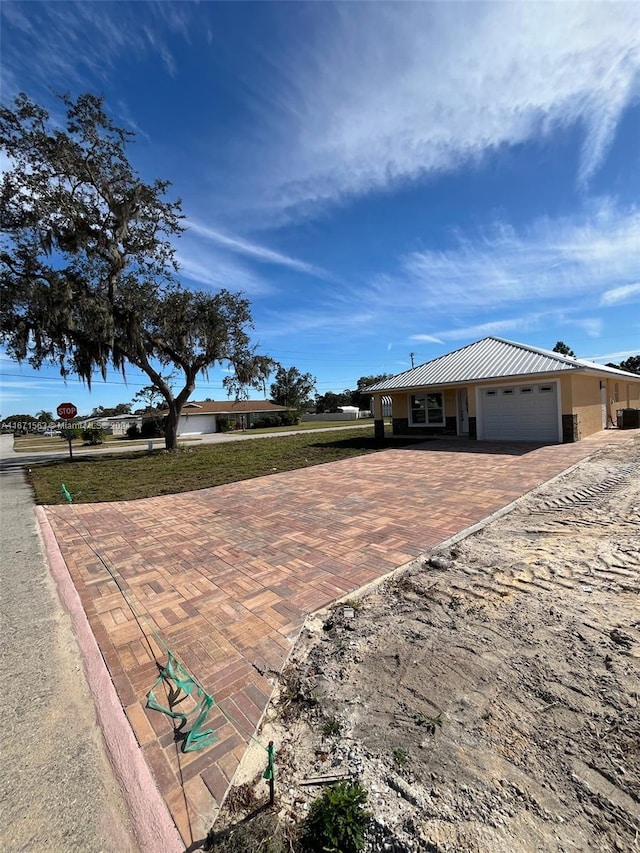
<point x="171" y="428"/>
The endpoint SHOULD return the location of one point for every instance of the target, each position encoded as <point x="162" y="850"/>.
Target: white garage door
<point x="520" y="413"/>
<point x="196" y="424"/>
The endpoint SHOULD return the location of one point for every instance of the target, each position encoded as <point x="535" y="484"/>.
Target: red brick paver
<point x="225" y="576"/>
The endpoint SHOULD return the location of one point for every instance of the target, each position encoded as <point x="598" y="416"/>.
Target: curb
<point x="152" y="825"/>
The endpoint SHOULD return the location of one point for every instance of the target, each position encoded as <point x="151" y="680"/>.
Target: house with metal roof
<point x="208" y="416"/>
<point x="496" y="389"/>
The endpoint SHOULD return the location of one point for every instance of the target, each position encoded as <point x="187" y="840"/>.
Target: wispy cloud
<point x="430" y="339"/>
<point x="496" y="327"/>
<point x="611" y="356"/>
<point x="80" y="44"/>
<point x="389" y="92"/>
<point x="217" y="259"/>
<point x="531" y="322"/>
<point x="321" y="323"/>
<point x="216" y="271"/>
<point x="626" y="293"/>
<point x="499" y="268"/>
<point x="255" y="251"/>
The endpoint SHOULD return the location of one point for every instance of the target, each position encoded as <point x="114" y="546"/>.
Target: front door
<point x="463" y="412"/>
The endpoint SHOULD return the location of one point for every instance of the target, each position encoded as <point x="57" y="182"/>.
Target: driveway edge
<point x="152" y="824"/>
<point x="505" y="510"/>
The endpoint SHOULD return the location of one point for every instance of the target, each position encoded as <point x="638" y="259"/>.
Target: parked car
<point x="52" y="433"/>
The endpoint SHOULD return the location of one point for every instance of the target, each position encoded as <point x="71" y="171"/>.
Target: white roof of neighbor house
<point x="490" y="358"/>
<point x="228" y="407"/>
<point x="122" y="418"/>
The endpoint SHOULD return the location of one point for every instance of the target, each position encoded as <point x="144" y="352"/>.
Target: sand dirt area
<point x="489" y="697"/>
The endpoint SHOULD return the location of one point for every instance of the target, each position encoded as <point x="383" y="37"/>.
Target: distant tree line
<point x="631" y="364"/>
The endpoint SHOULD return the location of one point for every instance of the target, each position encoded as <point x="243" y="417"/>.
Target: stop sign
<point x="66" y="411"/>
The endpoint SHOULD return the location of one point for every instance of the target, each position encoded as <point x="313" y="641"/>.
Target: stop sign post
<point x="67" y="411"/>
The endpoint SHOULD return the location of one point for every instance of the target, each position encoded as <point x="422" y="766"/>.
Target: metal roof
<point x="489" y="358"/>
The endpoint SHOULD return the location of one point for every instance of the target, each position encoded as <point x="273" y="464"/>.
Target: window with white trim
<point x="427" y="409"/>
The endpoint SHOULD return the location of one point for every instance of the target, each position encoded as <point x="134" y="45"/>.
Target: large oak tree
<point x="88" y="274"/>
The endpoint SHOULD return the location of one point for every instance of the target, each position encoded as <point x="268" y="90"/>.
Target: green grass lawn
<point x="36" y="443"/>
<point x="314" y="425"/>
<point x="140" y="475"/>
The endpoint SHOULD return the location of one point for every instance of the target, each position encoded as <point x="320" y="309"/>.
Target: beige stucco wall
<point x="400" y="406"/>
<point x="586" y="403"/>
<point x="622" y="394"/>
<point x="450" y="404"/>
<point x="633" y="394"/>
<point x="566" y="395"/>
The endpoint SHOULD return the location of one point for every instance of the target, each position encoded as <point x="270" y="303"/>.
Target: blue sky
<point x="378" y="178"/>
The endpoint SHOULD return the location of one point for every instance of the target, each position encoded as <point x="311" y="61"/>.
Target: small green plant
<point x="455" y="603"/>
<point x="133" y="431"/>
<point x="430" y="723"/>
<point x="400" y="756"/>
<point x="331" y="727"/>
<point x="337" y="821"/>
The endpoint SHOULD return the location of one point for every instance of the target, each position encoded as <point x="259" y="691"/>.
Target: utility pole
<point x="411" y="355"/>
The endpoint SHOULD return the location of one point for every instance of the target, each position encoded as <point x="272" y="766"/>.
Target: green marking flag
<point x="270" y="772"/>
<point x="180" y="685"/>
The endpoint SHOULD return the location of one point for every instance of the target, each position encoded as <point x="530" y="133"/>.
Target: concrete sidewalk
<point x="57" y="788"/>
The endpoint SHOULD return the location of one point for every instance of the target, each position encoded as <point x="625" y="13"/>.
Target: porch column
<point x="378" y="420"/>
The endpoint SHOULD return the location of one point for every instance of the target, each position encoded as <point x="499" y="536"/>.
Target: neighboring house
<point x="343" y="413"/>
<point x="209" y="416"/>
<point x="119" y="424"/>
<point x="495" y="389"/>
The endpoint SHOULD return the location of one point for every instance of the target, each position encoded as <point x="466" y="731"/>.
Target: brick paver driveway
<point x="227" y="575"/>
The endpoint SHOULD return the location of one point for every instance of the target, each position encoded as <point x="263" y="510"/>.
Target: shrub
<point x="152" y="428"/>
<point x="133" y="431"/>
<point x="290" y="418"/>
<point x="94" y="435"/>
<point x="337" y="821"/>
<point x="266" y="421"/>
